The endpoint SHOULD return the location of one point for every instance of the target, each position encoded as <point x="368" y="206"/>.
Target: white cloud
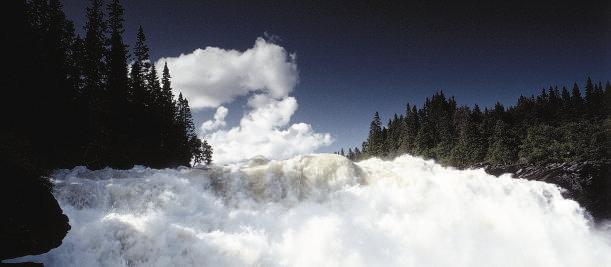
<point x="265" y="131"/>
<point x="217" y="122"/>
<point x="213" y="76"/>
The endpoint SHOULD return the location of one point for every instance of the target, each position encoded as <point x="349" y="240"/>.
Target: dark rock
<point x="22" y="264"/>
<point x="32" y="220"/>
<point x="586" y="182"/>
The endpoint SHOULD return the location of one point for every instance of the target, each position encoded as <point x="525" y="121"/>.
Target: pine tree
<point x="169" y="134"/>
<point x="541" y="144"/>
<point x="469" y="148"/>
<point x="43" y="77"/>
<point x="140" y="70"/>
<point x="188" y="143"/>
<point x="590" y="98"/>
<point x="554" y="104"/>
<point x="357" y="154"/>
<point x="74" y="62"/>
<point x="565" y="109"/>
<point x="117" y="56"/>
<point x="154" y="118"/>
<point x="94" y="82"/>
<point x="425" y="140"/>
<point x="375" y="139"/>
<point x="167" y="97"/>
<point x="142" y="143"/>
<point x="137" y="85"/>
<point x="576" y="101"/>
<point x="95" y="49"/>
<point x="599" y="104"/>
<point x="393" y="140"/>
<point x="154" y="88"/>
<point x="207" y="152"/>
<point x="412" y="125"/>
<point x="141" y="50"/>
<point x="607" y="98"/>
<point x="80" y="88"/>
<point x="589" y="91"/>
<point x="503" y="148"/>
<point x="118" y="90"/>
<point x="57" y="93"/>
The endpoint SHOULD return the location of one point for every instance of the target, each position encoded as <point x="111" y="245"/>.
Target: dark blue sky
<point x="358" y="58"/>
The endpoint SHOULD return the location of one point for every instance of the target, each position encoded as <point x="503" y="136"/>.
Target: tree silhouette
<point x="93" y="113"/>
<point x="118" y="90"/>
<point x="553" y="126"/>
<point x="375" y="139"/>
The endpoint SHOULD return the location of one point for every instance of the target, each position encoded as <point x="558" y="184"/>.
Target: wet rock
<point x="32" y="220"/>
<point x="586" y="182"/>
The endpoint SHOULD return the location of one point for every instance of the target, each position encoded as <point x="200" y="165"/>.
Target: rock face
<point x="586" y="182"/>
<point x="32" y="220"/>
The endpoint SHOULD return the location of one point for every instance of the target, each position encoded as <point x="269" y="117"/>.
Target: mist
<point x="320" y="210"/>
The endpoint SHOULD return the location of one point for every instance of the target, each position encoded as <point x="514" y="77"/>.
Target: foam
<point x="320" y="210"/>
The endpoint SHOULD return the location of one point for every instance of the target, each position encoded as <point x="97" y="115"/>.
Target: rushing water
<point x="320" y="210"/>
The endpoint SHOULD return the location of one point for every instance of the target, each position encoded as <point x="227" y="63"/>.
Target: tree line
<point x="73" y="100"/>
<point x="557" y="125"/>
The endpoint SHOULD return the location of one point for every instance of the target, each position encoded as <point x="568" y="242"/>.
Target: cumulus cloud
<point x="212" y="76"/>
<point x="265" y="131"/>
<point x="267" y="74"/>
<point x="217" y="122"/>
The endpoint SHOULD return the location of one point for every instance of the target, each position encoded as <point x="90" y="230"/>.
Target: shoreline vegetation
<point x="560" y="136"/>
<point x="73" y="100"/>
<point x="94" y="100"/>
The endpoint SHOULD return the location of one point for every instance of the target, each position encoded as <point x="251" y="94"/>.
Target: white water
<point x="320" y="210"/>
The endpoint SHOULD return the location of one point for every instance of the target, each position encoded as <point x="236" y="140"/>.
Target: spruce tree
<point x="590" y="98"/>
<point x="589" y="91"/>
<point x="140" y="70"/>
<point x="118" y="90"/>
<point x="576" y="102"/>
<point x="541" y="144"/>
<point x="599" y="104"/>
<point x="154" y="116"/>
<point x="95" y="50"/>
<point x="168" y="130"/>
<point x="142" y="146"/>
<point x="57" y="93"/>
<point x="607" y="99"/>
<point x="425" y="140"/>
<point x="403" y="133"/>
<point x="94" y="82"/>
<point x="153" y="87"/>
<point x="375" y="138"/>
<point x="396" y="134"/>
<point x="101" y="116"/>
<point x="206" y="152"/>
<point x="565" y="107"/>
<point x="141" y="50"/>
<point x="188" y="143"/>
<point x="412" y="124"/>
<point x="469" y="148"/>
<point x="166" y="96"/>
<point x="502" y="149"/>
<point x="553" y="104"/>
